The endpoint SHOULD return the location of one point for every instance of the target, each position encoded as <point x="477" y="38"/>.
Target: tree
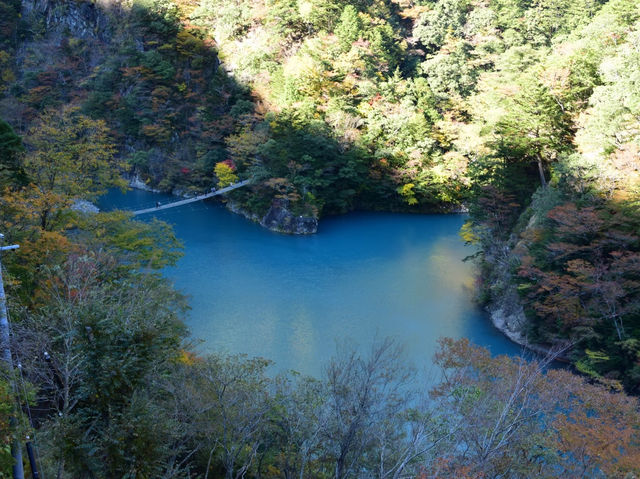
<point x="94" y="348"/>
<point x="225" y="173"/>
<point x="451" y="74"/>
<point x="11" y="148"/>
<point x="69" y="156"/>
<point x="599" y="433"/>
<point x="299" y="417"/>
<point x="233" y="405"/>
<point x="509" y="417"/>
<point x="137" y="244"/>
<point x="582" y="281"/>
<point x="6" y="436"/>
<point x="363" y="393"/>
<point x="446" y="17"/>
<point x="349" y="27"/>
<point x="611" y="121"/>
<point x="495" y="410"/>
<point x="534" y="128"/>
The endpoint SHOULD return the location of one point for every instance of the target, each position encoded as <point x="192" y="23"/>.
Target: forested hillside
<point x="526" y="112"/>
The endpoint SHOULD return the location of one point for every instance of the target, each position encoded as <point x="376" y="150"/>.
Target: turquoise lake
<point x="291" y="298"/>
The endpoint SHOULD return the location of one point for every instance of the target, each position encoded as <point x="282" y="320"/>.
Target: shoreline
<point x="501" y="322"/>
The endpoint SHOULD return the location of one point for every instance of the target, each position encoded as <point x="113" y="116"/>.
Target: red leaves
<point x="576" y="224"/>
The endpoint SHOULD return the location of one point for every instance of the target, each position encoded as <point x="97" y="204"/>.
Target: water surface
<point x="290" y="298"/>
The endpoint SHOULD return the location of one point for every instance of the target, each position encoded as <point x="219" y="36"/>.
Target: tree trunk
<point x="541" y="172"/>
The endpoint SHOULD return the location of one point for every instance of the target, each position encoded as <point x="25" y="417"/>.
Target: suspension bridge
<point x="173" y="204"/>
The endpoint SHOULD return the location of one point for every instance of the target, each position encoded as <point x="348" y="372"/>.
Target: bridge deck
<point x="192" y="200"/>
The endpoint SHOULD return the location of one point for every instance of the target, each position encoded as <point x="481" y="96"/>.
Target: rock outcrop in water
<point x="280" y="219"/>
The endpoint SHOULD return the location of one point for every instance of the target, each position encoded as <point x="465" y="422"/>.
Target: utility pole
<point x="5" y="342"/>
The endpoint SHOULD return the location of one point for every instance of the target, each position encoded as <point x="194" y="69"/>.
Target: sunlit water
<point x="290" y="298"/>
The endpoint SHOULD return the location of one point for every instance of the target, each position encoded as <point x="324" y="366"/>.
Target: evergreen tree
<point x="349" y="27"/>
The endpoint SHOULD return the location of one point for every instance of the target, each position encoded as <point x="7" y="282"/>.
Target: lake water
<point x="290" y="298"/>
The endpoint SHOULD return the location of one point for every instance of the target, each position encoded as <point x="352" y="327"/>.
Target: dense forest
<point x="525" y="113"/>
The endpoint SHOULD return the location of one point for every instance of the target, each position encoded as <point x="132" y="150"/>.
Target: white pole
<point x="5" y="341"/>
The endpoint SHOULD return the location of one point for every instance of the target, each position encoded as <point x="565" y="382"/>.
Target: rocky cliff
<point x="87" y="19"/>
<point x="502" y="300"/>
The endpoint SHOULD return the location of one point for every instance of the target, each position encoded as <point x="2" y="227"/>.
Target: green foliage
<point x="6" y="436"/>
<point x="139" y="244"/>
<point x="71" y="155"/>
<point x="107" y="336"/>
<point x="11" y="149"/>
<point x="332" y="106"/>
<point x="349" y="28"/>
<point x="160" y="17"/>
<point x="450" y="74"/>
<point x="447" y="17"/>
<point x="535" y="127"/>
<point x="612" y="119"/>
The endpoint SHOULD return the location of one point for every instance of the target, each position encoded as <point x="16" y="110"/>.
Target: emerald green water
<point x="291" y="298"/>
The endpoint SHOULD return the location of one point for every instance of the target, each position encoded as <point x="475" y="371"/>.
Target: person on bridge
<point x="157" y="204"/>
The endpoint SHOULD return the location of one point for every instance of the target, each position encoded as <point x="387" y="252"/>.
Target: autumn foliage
<point x="582" y="282"/>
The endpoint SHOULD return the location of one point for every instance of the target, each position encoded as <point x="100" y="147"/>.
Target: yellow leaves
<point x="188" y="44"/>
<point x="453" y="166"/>
<point x="406" y="191"/>
<point x="32" y="206"/>
<point x="187" y="358"/>
<point x="414" y="11"/>
<point x="225" y="174"/>
<point x="467" y="233"/>
<point x="7" y="75"/>
<point x="304" y="71"/>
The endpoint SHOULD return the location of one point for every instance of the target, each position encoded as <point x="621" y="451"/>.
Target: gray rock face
<point x="505" y="307"/>
<point x="84" y="206"/>
<point x="80" y="19"/>
<point x="136" y="182"/>
<point x="280" y="219"/>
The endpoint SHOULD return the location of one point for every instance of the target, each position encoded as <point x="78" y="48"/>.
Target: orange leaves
<point x="33" y="207"/>
<point x="516" y="420"/>
<point x="135" y="72"/>
<point x="600" y="432"/>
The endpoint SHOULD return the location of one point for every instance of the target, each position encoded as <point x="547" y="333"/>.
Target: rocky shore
<point x="504" y="305"/>
<point x="279" y="219"/>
